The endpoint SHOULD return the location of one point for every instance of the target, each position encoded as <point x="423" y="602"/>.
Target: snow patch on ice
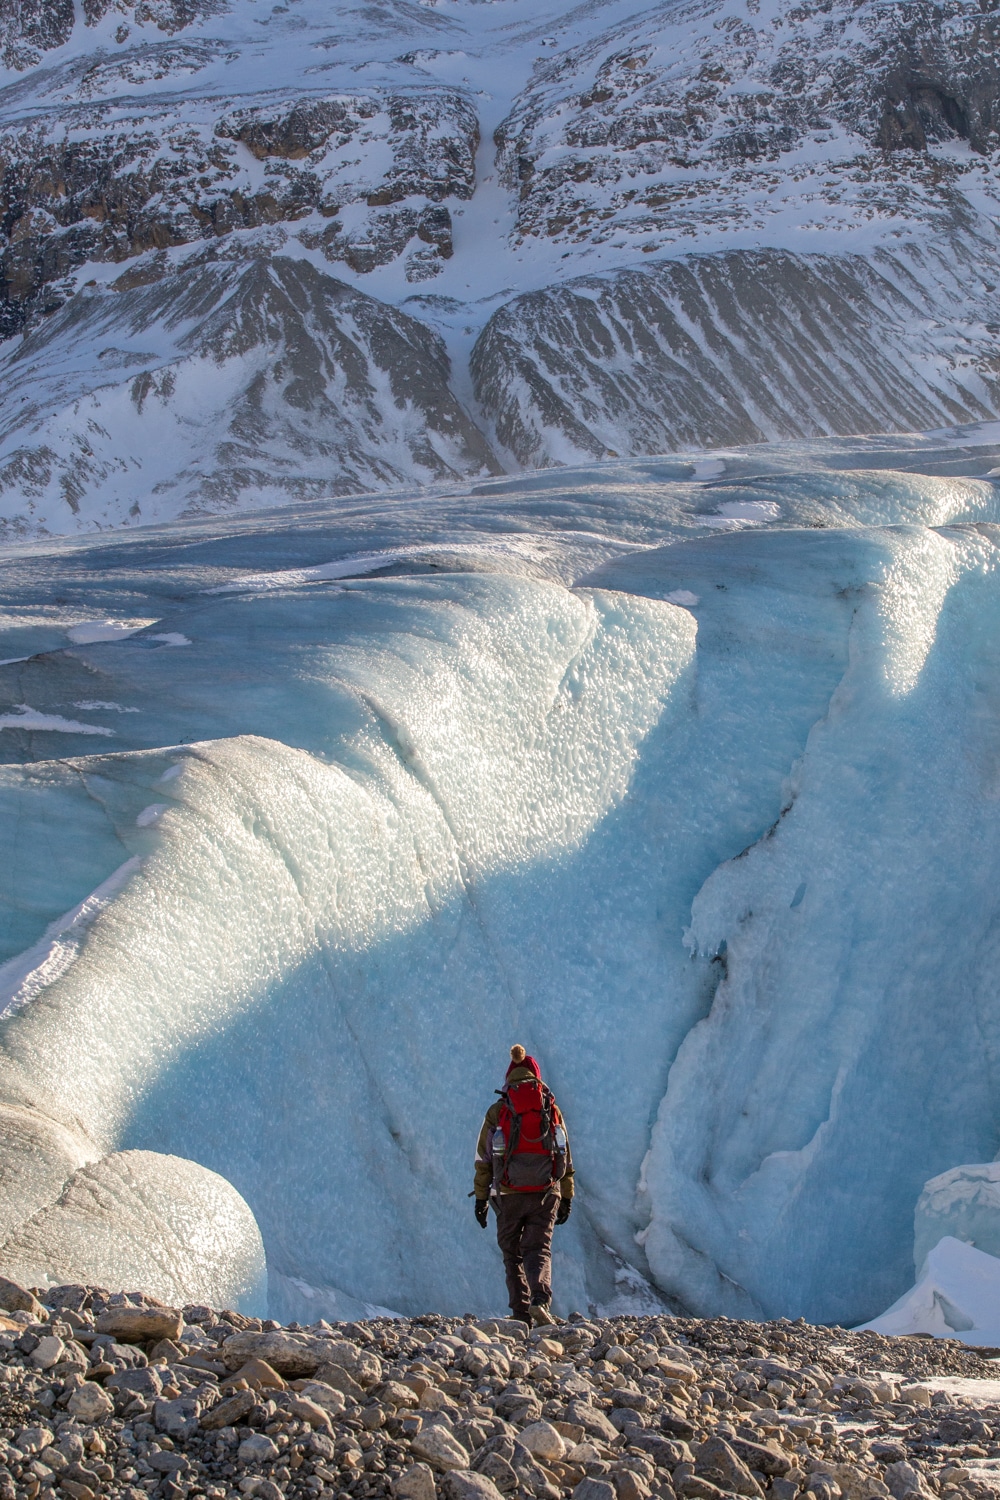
<point x="91" y="632"/>
<point x="24" y="977"/>
<point x="101" y="705"/>
<point x="26" y="717"/>
<point x="151" y="814"/>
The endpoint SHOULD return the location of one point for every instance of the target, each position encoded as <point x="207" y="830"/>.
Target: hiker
<point x="524" y="1168"/>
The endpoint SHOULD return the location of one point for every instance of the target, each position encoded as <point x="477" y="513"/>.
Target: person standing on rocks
<point x="524" y="1168"/>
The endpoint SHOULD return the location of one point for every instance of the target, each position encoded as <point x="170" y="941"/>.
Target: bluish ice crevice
<point x="423" y="814"/>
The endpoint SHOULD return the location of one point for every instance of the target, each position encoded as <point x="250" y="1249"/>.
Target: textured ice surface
<point x="689" y="784"/>
<point x="138" y="1217"/>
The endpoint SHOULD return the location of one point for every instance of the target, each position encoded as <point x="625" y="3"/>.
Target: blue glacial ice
<point x="691" y="784"/>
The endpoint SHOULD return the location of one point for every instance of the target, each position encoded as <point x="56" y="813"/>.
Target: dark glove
<point x="482" y="1211"/>
<point x="564" y="1210"/>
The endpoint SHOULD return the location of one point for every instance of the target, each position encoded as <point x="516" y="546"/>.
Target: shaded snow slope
<point x="734" y="347"/>
<point x="688" y="780"/>
<point x="692" y="224"/>
<point x="241" y="382"/>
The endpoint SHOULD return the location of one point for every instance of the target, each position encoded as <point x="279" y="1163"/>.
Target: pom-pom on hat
<point x="521" y="1059"/>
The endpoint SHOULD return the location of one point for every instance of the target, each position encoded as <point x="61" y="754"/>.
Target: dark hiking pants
<point x="524" y="1234"/>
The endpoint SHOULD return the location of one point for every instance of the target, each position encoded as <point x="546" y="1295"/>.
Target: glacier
<point x="681" y="771"/>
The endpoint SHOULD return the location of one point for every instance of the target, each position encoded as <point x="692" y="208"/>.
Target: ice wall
<point x="694" y="792"/>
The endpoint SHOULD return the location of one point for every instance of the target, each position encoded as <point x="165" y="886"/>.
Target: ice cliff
<point x="682" y="771"/>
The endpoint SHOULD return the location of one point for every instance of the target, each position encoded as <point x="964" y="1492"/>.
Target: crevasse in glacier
<point x="690" y="784"/>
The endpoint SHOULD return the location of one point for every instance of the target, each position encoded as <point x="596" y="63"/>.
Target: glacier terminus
<point x="690" y="781"/>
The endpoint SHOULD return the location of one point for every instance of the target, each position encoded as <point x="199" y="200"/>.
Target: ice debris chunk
<point x="963" y="1203"/>
<point x="957" y="1294"/>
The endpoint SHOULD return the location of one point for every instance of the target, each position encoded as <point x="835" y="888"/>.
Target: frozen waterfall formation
<point x="684" y="772"/>
<point x="264" y="253"/>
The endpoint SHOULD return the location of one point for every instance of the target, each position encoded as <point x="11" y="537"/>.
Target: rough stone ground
<point x="107" y="1394"/>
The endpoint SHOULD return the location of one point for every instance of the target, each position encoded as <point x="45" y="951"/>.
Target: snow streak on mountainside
<point x="635" y="228"/>
<point x="689" y="782"/>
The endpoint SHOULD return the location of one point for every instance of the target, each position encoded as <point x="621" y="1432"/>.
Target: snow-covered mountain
<point x="566" y="231"/>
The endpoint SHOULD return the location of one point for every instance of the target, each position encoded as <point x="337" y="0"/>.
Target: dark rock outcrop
<point x="74" y="188"/>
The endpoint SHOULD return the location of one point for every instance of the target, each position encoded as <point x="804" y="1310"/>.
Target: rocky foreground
<point x="107" y="1394"/>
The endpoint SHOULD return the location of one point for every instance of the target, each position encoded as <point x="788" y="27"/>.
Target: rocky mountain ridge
<point x="632" y="229"/>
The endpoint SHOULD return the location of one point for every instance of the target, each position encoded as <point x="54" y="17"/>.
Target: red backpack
<point x="529" y="1142"/>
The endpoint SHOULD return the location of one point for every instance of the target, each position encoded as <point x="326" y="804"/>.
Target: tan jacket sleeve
<point x="567" y="1185"/>
<point x="484" y="1153"/>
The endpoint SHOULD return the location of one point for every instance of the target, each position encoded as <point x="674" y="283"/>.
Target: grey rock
<point x="47" y="1352"/>
<point x="229" y="1412"/>
<point x="666" y="1453"/>
<point x="767" y="1458"/>
<point x="178" y="1418"/>
<point x="257" y="1449"/>
<point x="498" y="1470"/>
<point x="366" y="1368"/>
<point x="625" y="1418"/>
<point x="594" y="1489"/>
<point x="328" y="1396"/>
<point x="337" y="1378"/>
<point x="146" y="1383"/>
<point x="415" y="1483"/>
<point x="89" y="1403"/>
<point x="32" y="1440"/>
<point x="16" y="1298"/>
<point x="633" y="1400"/>
<point x="717" y="1462"/>
<point x="170" y="1463"/>
<point x="136" y="1325"/>
<point x="592" y="1420"/>
<point x="464" y="1484"/>
<point x="435" y="1444"/>
<point x="904" y="1478"/>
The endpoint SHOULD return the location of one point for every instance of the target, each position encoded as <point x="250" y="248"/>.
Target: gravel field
<point x="111" y="1394"/>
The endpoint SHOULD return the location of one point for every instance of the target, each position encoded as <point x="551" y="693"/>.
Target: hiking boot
<point x="540" y="1315"/>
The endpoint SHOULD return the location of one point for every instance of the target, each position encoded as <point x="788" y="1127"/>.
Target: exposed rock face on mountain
<point x="721" y="120"/>
<point x="81" y="186"/>
<point x="737" y="347"/>
<point x="236" y="382"/>
<point x="30" y="28"/>
<point x="706" y="223"/>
